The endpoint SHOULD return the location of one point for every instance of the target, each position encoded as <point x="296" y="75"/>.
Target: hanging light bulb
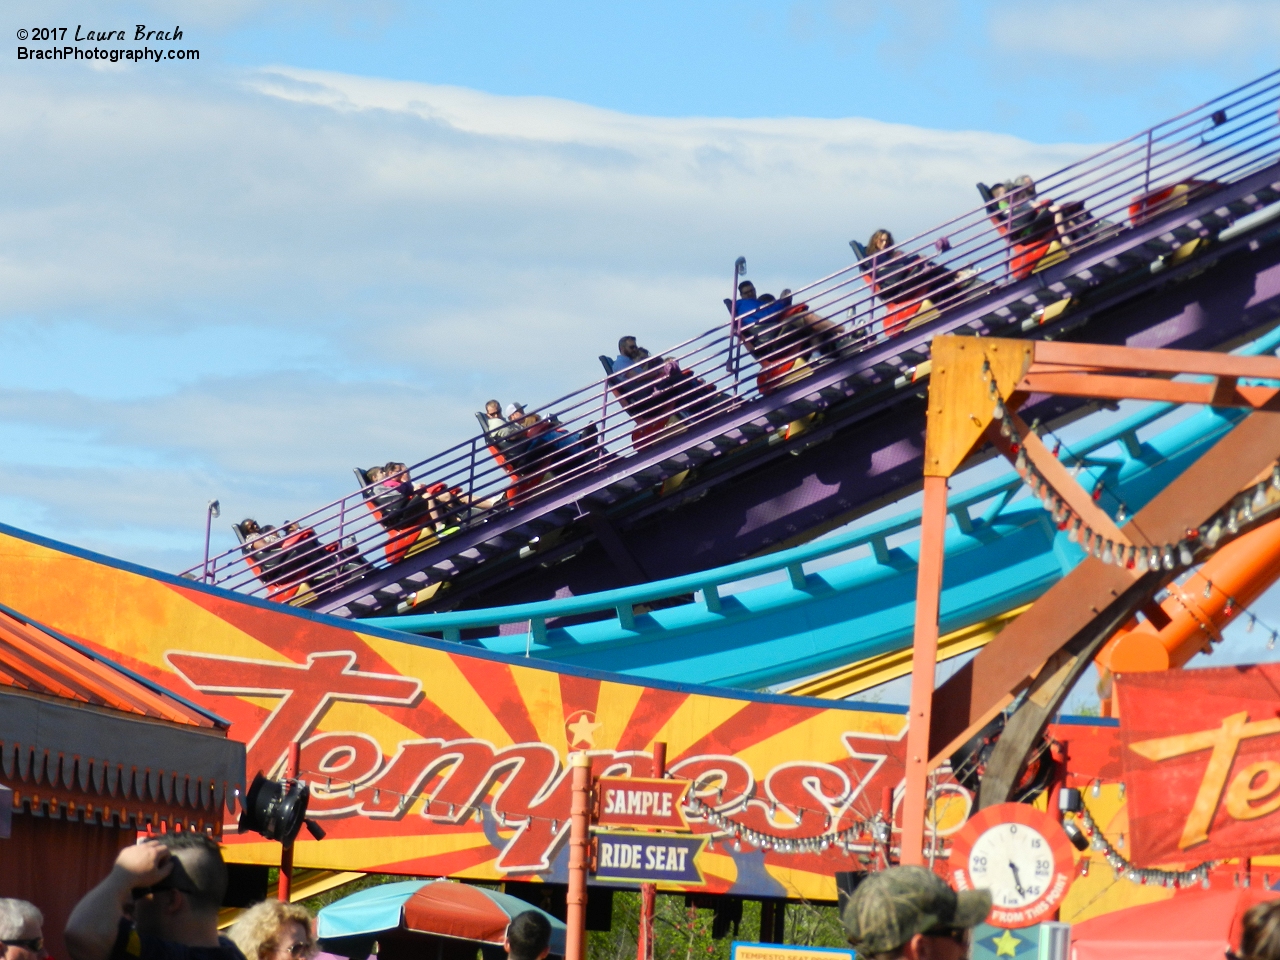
<point x="351" y="791"/>
<point x="998" y="412"/>
<point x="1249" y="626"/>
<point x="1096" y="788"/>
<point x="451" y="811"/>
<point x="1184" y="554"/>
<point x="1214" y="533"/>
<point x="1260" y="497"/>
<point x="1168" y="557"/>
<point x="555" y="826"/>
<point x="377" y="796"/>
<point x="1275" y="476"/>
<point x="1208" y="589"/>
<point x="1097" y="546"/>
<point x="1141" y="562"/>
<point x="1107" y="556"/>
<point x="1271" y="643"/>
<point x="1084" y="867"/>
<point x="1121" y="514"/>
<point x="1073" y="531"/>
<point x="1233" y="525"/>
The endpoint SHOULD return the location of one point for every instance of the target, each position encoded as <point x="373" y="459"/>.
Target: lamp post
<point x="211" y="512"/>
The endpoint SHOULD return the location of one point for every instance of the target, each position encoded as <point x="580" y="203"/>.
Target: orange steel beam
<point x="1240" y="572"/>
<point x="1145" y="360"/>
<point x="986" y="684"/>
<point x="971" y="381"/>
<point x="924" y="661"/>
<point x="1221" y="392"/>
<point x="1065" y="485"/>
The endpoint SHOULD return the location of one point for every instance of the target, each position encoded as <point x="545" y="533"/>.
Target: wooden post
<point x="924" y="663"/>
<point x="579" y="840"/>
<point x="649" y="891"/>
<point x="284" y="884"/>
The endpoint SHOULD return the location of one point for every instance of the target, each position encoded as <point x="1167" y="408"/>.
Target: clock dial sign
<point x="1018" y="853"/>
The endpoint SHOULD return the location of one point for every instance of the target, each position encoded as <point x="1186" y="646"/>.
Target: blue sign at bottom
<point x="648" y="858"/>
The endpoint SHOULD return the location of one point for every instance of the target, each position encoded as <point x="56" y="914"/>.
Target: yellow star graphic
<point x="1006" y="944"/>
<point x="583" y="730"/>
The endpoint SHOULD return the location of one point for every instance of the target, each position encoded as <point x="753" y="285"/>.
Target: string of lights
<point x="1122" y="867"/>
<point x="1242" y="510"/>
<point x="870" y="829"/>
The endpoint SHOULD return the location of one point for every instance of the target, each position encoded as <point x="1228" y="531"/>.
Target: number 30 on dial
<point x="1021" y="855"/>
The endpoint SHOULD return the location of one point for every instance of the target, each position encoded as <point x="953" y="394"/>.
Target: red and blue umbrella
<point x="437" y="907"/>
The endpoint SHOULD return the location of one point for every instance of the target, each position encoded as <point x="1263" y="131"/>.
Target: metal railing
<point x="744" y="360"/>
<point x="995" y="496"/>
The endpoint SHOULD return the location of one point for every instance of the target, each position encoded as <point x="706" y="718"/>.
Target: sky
<point x="330" y="238"/>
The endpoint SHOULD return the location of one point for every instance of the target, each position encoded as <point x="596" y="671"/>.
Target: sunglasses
<point x="35" y="944"/>
<point x="299" y="949"/>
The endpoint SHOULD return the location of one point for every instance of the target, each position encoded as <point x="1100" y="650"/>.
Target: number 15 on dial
<point x="1018" y="853"/>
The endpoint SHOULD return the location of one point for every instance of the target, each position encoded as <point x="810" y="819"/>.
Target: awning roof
<point x="40" y="660"/>
<point x="84" y="737"/>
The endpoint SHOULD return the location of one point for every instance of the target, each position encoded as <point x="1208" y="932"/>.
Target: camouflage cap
<point x="890" y="907"/>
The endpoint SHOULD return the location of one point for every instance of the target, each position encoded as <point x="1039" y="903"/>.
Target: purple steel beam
<point x="836" y="373"/>
<point x="760" y="505"/>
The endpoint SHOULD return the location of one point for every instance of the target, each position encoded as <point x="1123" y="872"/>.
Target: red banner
<point x="1201" y="756"/>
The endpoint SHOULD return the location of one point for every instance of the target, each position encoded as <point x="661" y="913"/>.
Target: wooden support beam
<point x="1008" y="664"/>
<point x="1141" y="359"/>
<point x="1220" y="392"/>
<point x="961" y="404"/>
<point x="1063" y="483"/>
<point x="924" y="662"/>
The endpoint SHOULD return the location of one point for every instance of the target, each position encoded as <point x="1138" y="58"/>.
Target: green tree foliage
<point x="684" y="933"/>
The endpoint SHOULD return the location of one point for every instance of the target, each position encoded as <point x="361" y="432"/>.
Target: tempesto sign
<point x="642" y="803"/>
<point x="648" y="858"/>
<point x="743" y="950"/>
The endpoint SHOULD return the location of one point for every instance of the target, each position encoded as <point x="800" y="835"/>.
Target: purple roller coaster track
<point x="768" y="430"/>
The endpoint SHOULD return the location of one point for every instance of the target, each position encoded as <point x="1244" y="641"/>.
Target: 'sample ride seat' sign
<point x="641" y="803"/>
<point x="648" y="858"/>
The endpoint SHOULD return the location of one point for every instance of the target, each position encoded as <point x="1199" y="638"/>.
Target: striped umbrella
<point x="438" y="907"/>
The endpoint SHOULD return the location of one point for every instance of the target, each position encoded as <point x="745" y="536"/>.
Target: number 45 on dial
<point x="1021" y="855"/>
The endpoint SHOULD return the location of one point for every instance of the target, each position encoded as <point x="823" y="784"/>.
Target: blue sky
<point x="1045" y="71"/>
<point x="327" y="241"/>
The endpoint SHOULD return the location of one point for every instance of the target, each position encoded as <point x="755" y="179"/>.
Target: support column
<point x="284" y="883"/>
<point x="924" y="663"/>
<point x="579" y="839"/>
<point x="649" y="891"/>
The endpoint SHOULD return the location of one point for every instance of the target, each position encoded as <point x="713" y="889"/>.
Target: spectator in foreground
<point x="172" y="887"/>
<point x="1260" y="934"/>
<point x="911" y="913"/>
<point x="528" y="936"/>
<point x="21" y="930"/>
<point x="272" y="930"/>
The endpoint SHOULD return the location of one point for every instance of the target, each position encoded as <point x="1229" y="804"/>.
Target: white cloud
<point x="240" y="285"/>
<point x="1139" y="31"/>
